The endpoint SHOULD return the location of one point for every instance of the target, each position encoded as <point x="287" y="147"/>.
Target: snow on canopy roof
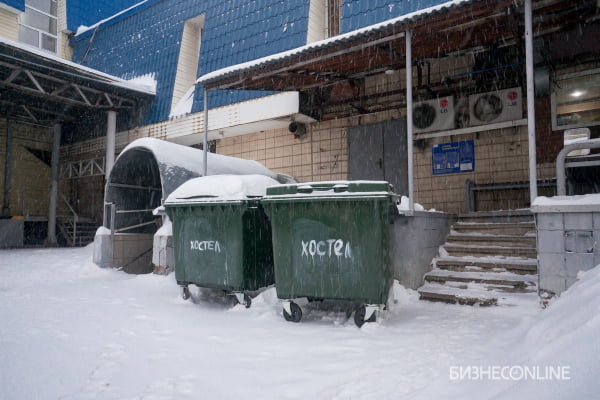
<point x="221" y="188"/>
<point x="329" y="42"/>
<point x="178" y="163"/>
<point x="54" y="61"/>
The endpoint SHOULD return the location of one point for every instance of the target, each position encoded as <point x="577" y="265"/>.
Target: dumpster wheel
<point x="295" y="314"/>
<point x="243" y="298"/>
<point x="185" y="292"/>
<point x="359" y="316"/>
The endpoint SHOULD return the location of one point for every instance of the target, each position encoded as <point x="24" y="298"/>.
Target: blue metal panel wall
<point x="88" y="12"/>
<point x="360" y="13"/>
<point x="18" y="4"/>
<point x="235" y="31"/>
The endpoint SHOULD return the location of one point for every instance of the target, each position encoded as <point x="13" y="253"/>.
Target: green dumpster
<point x="331" y="241"/>
<point x="221" y="234"/>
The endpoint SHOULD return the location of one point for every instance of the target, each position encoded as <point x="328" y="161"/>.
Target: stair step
<point x="492" y="240"/>
<point x="474" y="294"/>
<point x="458" y="250"/>
<point x="500" y="228"/>
<point x="517" y="281"/>
<point x="448" y="294"/>
<point x="497" y="216"/>
<point x="515" y="265"/>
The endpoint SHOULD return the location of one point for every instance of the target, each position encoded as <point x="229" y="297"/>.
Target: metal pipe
<point x="111" y="129"/>
<point x="205" y="139"/>
<point x="51" y="239"/>
<point x="409" y="120"/>
<point x="561" y="189"/>
<point x="530" y="101"/>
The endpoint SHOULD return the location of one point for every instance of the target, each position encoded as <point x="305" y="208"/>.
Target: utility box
<point x="568" y="239"/>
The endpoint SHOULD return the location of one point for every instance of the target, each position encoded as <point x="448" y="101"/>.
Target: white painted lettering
<point x="305" y="248"/>
<point x="339" y="244"/>
<point x="328" y="247"/>
<point x="312" y="248"/>
<point x="210" y="245"/>
<point x="319" y="251"/>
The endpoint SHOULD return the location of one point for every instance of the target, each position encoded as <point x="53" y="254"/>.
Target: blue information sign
<point x="452" y="158"/>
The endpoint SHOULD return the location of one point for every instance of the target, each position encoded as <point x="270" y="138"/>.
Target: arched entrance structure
<point x="143" y="176"/>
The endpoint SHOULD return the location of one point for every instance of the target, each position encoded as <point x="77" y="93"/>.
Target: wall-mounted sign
<point x="452" y="158"/>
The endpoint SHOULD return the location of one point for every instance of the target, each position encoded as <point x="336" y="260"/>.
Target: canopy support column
<point x="530" y="101"/>
<point x="51" y="239"/>
<point x="205" y="138"/>
<point x="409" y="121"/>
<point x="7" y="170"/>
<point x="111" y="129"/>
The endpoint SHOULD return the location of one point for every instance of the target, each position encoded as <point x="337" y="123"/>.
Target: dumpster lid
<point x="332" y="188"/>
<point x="221" y="188"/>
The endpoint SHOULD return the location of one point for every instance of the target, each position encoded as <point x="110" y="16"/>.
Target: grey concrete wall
<point x="568" y="242"/>
<point x="11" y="233"/>
<point x="416" y="241"/>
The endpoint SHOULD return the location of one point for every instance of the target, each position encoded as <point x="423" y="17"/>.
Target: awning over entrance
<point x="38" y="87"/>
<point x="455" y="26"/>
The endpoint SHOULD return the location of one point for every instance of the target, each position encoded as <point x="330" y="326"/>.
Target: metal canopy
<point x="438" y="32"/>
<point x="44" y="90"/>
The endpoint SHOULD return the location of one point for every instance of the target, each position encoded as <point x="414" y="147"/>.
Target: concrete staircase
<point x="489" y="258"/>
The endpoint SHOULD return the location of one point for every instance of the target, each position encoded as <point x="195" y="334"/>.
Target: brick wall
<point x="30" y="177"/>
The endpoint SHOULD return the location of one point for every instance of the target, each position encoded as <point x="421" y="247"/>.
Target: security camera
<point x="298" y="129"/>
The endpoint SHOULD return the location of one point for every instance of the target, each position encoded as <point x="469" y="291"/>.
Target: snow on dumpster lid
<point x="221" y="188"/>
<point x="332" y="188"/>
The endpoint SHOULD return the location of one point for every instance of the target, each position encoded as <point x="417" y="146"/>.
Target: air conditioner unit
<point x="434" y="115"/>
<point x="496" y="106"/>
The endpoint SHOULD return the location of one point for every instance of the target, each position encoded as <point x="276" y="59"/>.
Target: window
<point x="38" y="24"/>
<point x="576" y="100"/>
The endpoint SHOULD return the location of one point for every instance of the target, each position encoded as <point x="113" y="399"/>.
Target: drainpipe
<point x="7" y="169"/>
<point x="409" y="121"/>
<point x="530" y="101"/>
<point x="111" y="129"/>
<point x="205" y="140"/>
<point x="51" y="239"/>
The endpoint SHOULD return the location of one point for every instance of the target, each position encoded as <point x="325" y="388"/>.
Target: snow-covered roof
<point x="323" y="44"/>
<point x="52" y="61"/>
<point x="178" y="163"/>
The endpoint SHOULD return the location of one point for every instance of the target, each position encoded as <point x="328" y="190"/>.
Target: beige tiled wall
<point x="320" y="155"/>
<point x="501" y="155"/>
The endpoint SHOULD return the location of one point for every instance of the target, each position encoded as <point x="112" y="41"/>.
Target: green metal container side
<point x="222" y="245"/>
<point x="333" y="248"/>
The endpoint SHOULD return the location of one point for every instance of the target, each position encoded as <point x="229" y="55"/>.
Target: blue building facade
<point x="146" y="40"/>
<point x="16" y="4"/>
<point x="357" y="14"/>
<point x="86" y="12"/>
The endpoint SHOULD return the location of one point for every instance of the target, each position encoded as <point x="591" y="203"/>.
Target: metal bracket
<point x="287" y="306"/>
<point x="240" y="297"/>
<point x="370" y="310"/>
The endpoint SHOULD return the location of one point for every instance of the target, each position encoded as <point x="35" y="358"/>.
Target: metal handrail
<point x="75" y="218"/>
<point x="561" y="186"/>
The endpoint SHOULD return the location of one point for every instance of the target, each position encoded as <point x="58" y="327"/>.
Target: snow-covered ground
<point x="71" y="330"/>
